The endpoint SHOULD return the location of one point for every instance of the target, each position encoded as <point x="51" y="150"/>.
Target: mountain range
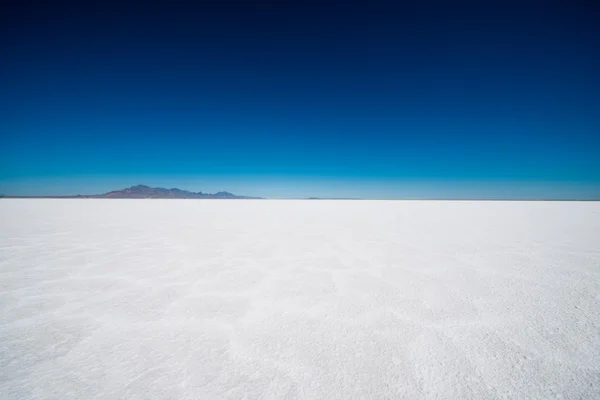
<point x="147" y="192"/>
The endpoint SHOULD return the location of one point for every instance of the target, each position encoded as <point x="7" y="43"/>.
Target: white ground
<point x="211" y="299"/>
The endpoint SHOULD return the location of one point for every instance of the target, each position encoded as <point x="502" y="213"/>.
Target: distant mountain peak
<point x="147" y="192"/>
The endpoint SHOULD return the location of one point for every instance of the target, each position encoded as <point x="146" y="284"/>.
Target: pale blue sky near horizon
<point x="303" y="187"/>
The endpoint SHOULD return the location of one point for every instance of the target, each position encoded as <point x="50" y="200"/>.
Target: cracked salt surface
<point x="186" y="299"/>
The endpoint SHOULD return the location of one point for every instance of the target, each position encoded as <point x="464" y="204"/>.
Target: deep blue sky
<point x="310" y="99"/>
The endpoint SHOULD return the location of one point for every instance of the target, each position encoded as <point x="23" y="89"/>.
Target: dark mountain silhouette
<point x="147" y="192"/>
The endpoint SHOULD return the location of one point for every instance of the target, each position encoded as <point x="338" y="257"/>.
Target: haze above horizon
<point x="314" y="99"/>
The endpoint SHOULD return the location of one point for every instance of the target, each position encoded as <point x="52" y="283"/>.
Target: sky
<point x="424" y="99"/>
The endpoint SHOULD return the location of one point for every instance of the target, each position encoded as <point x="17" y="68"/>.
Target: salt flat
<point x="211" y="299"/>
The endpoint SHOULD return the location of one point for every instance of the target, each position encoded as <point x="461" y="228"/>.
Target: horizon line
<point x="309" y="197"/>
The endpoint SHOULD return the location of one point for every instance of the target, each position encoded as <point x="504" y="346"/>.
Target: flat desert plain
<point x="267" y="299"/>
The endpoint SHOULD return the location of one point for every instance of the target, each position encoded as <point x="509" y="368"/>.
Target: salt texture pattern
<point x="212" y="299"/>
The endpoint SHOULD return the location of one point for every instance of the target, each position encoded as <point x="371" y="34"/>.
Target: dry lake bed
<point x="276" y="299"/>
